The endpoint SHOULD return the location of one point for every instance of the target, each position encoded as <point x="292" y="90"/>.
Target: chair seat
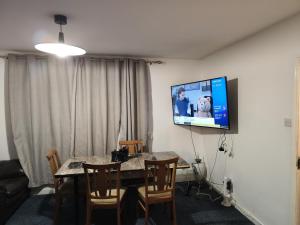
<point x="108" y="201"/>
<point x="163" y="196"/>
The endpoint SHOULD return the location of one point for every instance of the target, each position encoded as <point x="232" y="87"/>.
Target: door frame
<point x="295" y="214"/>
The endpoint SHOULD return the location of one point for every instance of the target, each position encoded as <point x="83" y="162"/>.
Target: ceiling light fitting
<point x="60" y="48"/>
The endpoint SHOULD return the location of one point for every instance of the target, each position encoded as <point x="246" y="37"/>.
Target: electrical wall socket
<point x="287" y="122"/>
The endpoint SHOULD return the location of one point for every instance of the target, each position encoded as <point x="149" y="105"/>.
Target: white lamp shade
<point x="60" y="49"/>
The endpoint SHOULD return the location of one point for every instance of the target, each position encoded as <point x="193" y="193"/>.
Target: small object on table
<point x="153" y="158"/>
<point x="114" y="156"/>
<point x="75" y="165"/>
<point x="120" y="156"/>
<point x="123" y="154"/>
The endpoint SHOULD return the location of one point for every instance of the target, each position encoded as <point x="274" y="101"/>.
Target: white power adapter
<point x="227" y="190"/>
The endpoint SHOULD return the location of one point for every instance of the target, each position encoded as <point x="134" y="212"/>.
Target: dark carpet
<point x="191" y="210"/>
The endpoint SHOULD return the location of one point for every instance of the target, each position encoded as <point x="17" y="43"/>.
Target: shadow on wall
<point x="232" y="90"/>
<point x="233" y="104"/>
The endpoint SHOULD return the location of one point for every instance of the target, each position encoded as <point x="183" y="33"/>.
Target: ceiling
<point x="187" y="29"/>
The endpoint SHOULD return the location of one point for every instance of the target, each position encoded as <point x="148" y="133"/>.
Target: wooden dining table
<point x="131" y="169"/>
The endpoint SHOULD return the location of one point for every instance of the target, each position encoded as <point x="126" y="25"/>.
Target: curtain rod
<point x="107" y="58"/>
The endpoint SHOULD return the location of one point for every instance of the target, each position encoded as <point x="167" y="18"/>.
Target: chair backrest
<point x="54" y="164"/>
<point x="102" y="181"/>
<point x="160" y="176"/>
<point x="53" y="160"/>
<point x="134" y="146"/>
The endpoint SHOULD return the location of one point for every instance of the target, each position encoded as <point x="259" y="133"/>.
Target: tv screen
<point x="202" y="103"/>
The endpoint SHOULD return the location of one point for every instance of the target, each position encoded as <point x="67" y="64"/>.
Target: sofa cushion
<point x="10" y="169"/>
<point x="14" y="185"/>
<point x="9" y="205"/>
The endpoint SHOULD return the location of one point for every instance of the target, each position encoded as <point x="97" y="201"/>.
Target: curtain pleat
<point x="80" y="106"/>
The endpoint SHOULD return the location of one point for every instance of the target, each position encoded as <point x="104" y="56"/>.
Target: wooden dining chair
<point x="159" y="185"/>
<point x="134" y="146"/>
<point x="103" y="188"/>
<point x="61" y="187"/>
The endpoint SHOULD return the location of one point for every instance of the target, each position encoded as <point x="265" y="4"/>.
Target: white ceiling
<point x="158" y="28"/>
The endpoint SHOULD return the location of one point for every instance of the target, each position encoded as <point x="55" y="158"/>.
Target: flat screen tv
<point x="202" y="103"/>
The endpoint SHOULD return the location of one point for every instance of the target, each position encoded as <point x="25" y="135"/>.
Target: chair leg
<point x="174" y="212"/>
<point x="171" y="210"/>
<point x="88" y="214"/>
<point x="57" y="208"/>
<point x="146" y="214"/>
<point x="119" y="215"/>
<point x="137" y="212"/>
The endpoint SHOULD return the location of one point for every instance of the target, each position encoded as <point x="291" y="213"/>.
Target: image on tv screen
<point x="202" y="103"/>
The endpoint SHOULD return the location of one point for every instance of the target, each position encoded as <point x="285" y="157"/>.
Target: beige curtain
<point x="81" y="106"/>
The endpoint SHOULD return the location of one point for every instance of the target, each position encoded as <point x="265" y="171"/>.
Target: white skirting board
<point x="245" y="212"/>
<point x="187" y="175"/>
<point x="250" y="216"/>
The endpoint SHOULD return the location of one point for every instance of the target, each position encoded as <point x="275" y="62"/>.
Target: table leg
<point x="189" y="187"/>
<point x="76" y="200"/>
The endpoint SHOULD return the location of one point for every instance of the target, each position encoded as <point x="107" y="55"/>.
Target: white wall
<point x="166" y="135"/>
<point x="4" y="153"/>
<point x="263" y="165"/>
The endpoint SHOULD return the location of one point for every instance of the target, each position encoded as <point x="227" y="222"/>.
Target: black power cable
<point x="201" y="173"/>
<point x="221" y="145"/>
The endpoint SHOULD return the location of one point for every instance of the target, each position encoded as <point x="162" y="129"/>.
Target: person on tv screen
<point x="182" y="103"/>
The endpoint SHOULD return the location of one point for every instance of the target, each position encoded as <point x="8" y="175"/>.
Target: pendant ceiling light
<point x="60" y="48"/>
